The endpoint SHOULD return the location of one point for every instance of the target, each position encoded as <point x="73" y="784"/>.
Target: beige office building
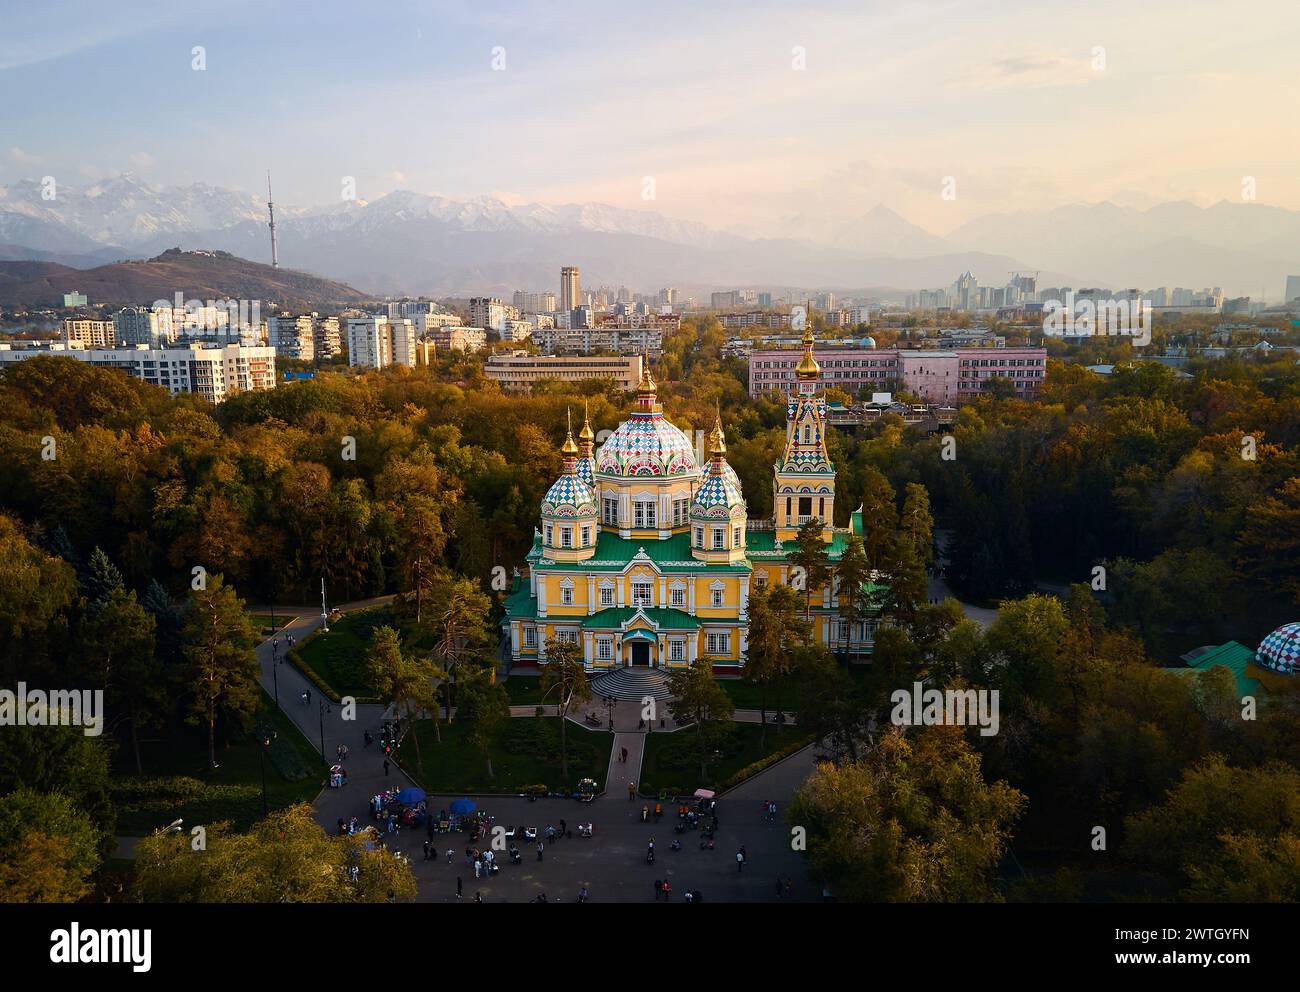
<point x="570" y="290"/>
<point x="518" y="371"/>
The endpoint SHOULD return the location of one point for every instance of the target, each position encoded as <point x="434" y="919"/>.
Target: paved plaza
<point x="611" y="864"/>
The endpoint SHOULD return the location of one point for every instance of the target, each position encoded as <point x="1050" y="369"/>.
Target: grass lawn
<point x="178" y="783"/>
<point x="262" y="622"/>
<point x="745" y="695"/>
<point x="339" y="657"/>
<point x="672" y="761"/>
<point x="526" y="752"/>
<point x="524" y="690"/>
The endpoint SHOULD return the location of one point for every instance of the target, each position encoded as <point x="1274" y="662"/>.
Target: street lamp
<point x="275" y="669"/>
<point x="609" y="705"/>
<point x="324" y="613"/>
<point x="265" y="737"/>
<point x="324" y="708"/>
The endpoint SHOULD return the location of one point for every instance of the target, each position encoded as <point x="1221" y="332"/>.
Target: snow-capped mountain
<point x="407" y="242"/>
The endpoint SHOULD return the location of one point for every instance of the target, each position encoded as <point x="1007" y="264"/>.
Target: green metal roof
<point x="1232" y="656"/>
<point x="671" y="554"/>
<point x="664" y="619"/>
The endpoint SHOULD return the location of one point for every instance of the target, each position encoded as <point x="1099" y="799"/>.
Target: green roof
<point x="1232" y="656"/>
<point x="671" y="554"/>
<point x="762" y="544"/>
<point x="665" y="619"/>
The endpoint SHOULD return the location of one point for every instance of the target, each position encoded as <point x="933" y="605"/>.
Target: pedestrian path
<point x="621" y="773"/>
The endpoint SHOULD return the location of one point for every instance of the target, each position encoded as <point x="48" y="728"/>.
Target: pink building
<point x="945" y="377"/>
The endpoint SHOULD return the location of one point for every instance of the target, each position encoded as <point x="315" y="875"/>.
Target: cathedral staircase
<point x="632" y="683"/>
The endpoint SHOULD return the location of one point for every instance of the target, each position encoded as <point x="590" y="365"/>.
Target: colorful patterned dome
<point x="1280" y="650"/>
<point x="586" y="471"/>
<point x="646" y="445"/>
<point x="717" y="496"/>
<point x="569" y="497"/>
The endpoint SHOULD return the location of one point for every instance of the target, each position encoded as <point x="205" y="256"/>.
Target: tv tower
<point x="270" y="210"/>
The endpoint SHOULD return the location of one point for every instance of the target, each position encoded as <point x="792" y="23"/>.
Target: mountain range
<point x="199" y="275"/>
<point x="412" y="243"/>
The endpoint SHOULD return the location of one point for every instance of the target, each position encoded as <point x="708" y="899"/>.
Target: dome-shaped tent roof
<point x="1280" y="650"/>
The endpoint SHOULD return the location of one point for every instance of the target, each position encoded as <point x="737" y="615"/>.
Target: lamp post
<point x="324" y="708"/>
<point x="324" y="613"/>
<point x="610" y="703"/>
<point x="265" y="737"/>
<point x="275" y="669"/>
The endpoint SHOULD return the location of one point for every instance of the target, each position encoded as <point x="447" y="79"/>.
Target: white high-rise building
<point x="368" y="342"/>
<point x="293" y="337"/>
<point x="152" y="326"/>
<point x="488" y="313"/>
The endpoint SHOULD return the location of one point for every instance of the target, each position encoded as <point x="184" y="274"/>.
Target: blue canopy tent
<point x="462" y="806"/>
<point x="409" y="796"/>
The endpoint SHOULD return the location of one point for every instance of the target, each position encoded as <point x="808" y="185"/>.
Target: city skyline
<point x="771" y="123"/>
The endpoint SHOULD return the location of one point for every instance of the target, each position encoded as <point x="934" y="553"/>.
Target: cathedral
<point x="646" y="557"/>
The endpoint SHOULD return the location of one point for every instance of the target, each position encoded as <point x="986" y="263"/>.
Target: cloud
<point x="142" y="160"/>
<point x="16" y="154"/>
<point x="1027" y="72"/>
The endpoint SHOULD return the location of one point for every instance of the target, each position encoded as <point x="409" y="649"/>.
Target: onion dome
<point x="808" y="368"/>
<point x="1280" y="650"/>
<point x="586" y="469"/>
<point x="646" y="444"/>
<point x="719" y="494"/>
<point x="569" y="496"/>
<point x="868" y="342"/>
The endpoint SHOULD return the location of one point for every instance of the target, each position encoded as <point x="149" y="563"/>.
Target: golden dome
<point x="717" y="440"/>
<point x="569" y="447"/>
<point x="647" y="386"/>
<point x="808" y="367"/>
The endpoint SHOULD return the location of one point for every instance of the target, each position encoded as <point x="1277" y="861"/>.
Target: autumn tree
<point x="223" y="668"/>
<point x="285" y="858"/>
<point x="912" y="821"/>
<point x="697" y="698"/>
<point x="564" y="676"/>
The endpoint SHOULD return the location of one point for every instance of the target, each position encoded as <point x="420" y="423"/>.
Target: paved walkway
<point x="322" y="722"/>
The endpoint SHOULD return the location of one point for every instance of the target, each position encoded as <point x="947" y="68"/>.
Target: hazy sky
<point x="705" y="97"/>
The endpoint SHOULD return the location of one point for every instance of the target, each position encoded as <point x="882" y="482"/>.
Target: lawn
<point x="525" y="753"/>
<point x="745" y="695"/>
<point x="339" y="657"/>
<point x="265" y="625"/>
<point x="178" y="784"/>
<point x="524" y="690"/>
<point x="672" y="762"/>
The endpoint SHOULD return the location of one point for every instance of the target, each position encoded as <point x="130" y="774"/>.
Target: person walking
<point x="459" y="887"/>
<point x="540" y="847"/>
<point x="740" y="861"/>
<point x="478" y="896"/>
<point x="427" y="848"/>
<point x="385" y="768"/>
<point x="450" y="854"/>
<point x="631" y="792"/>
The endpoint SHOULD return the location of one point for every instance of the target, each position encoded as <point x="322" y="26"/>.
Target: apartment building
<point x="212" y="372"/>
<point x="89" y="333"/>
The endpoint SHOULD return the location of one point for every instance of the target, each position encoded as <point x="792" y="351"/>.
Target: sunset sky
<point x="704" y="97"/>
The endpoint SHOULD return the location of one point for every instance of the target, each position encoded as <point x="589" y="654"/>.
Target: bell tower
<point x="804" y="479"/>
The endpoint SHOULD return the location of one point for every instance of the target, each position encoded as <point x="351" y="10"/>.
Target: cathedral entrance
<point x="641" y="654"/>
